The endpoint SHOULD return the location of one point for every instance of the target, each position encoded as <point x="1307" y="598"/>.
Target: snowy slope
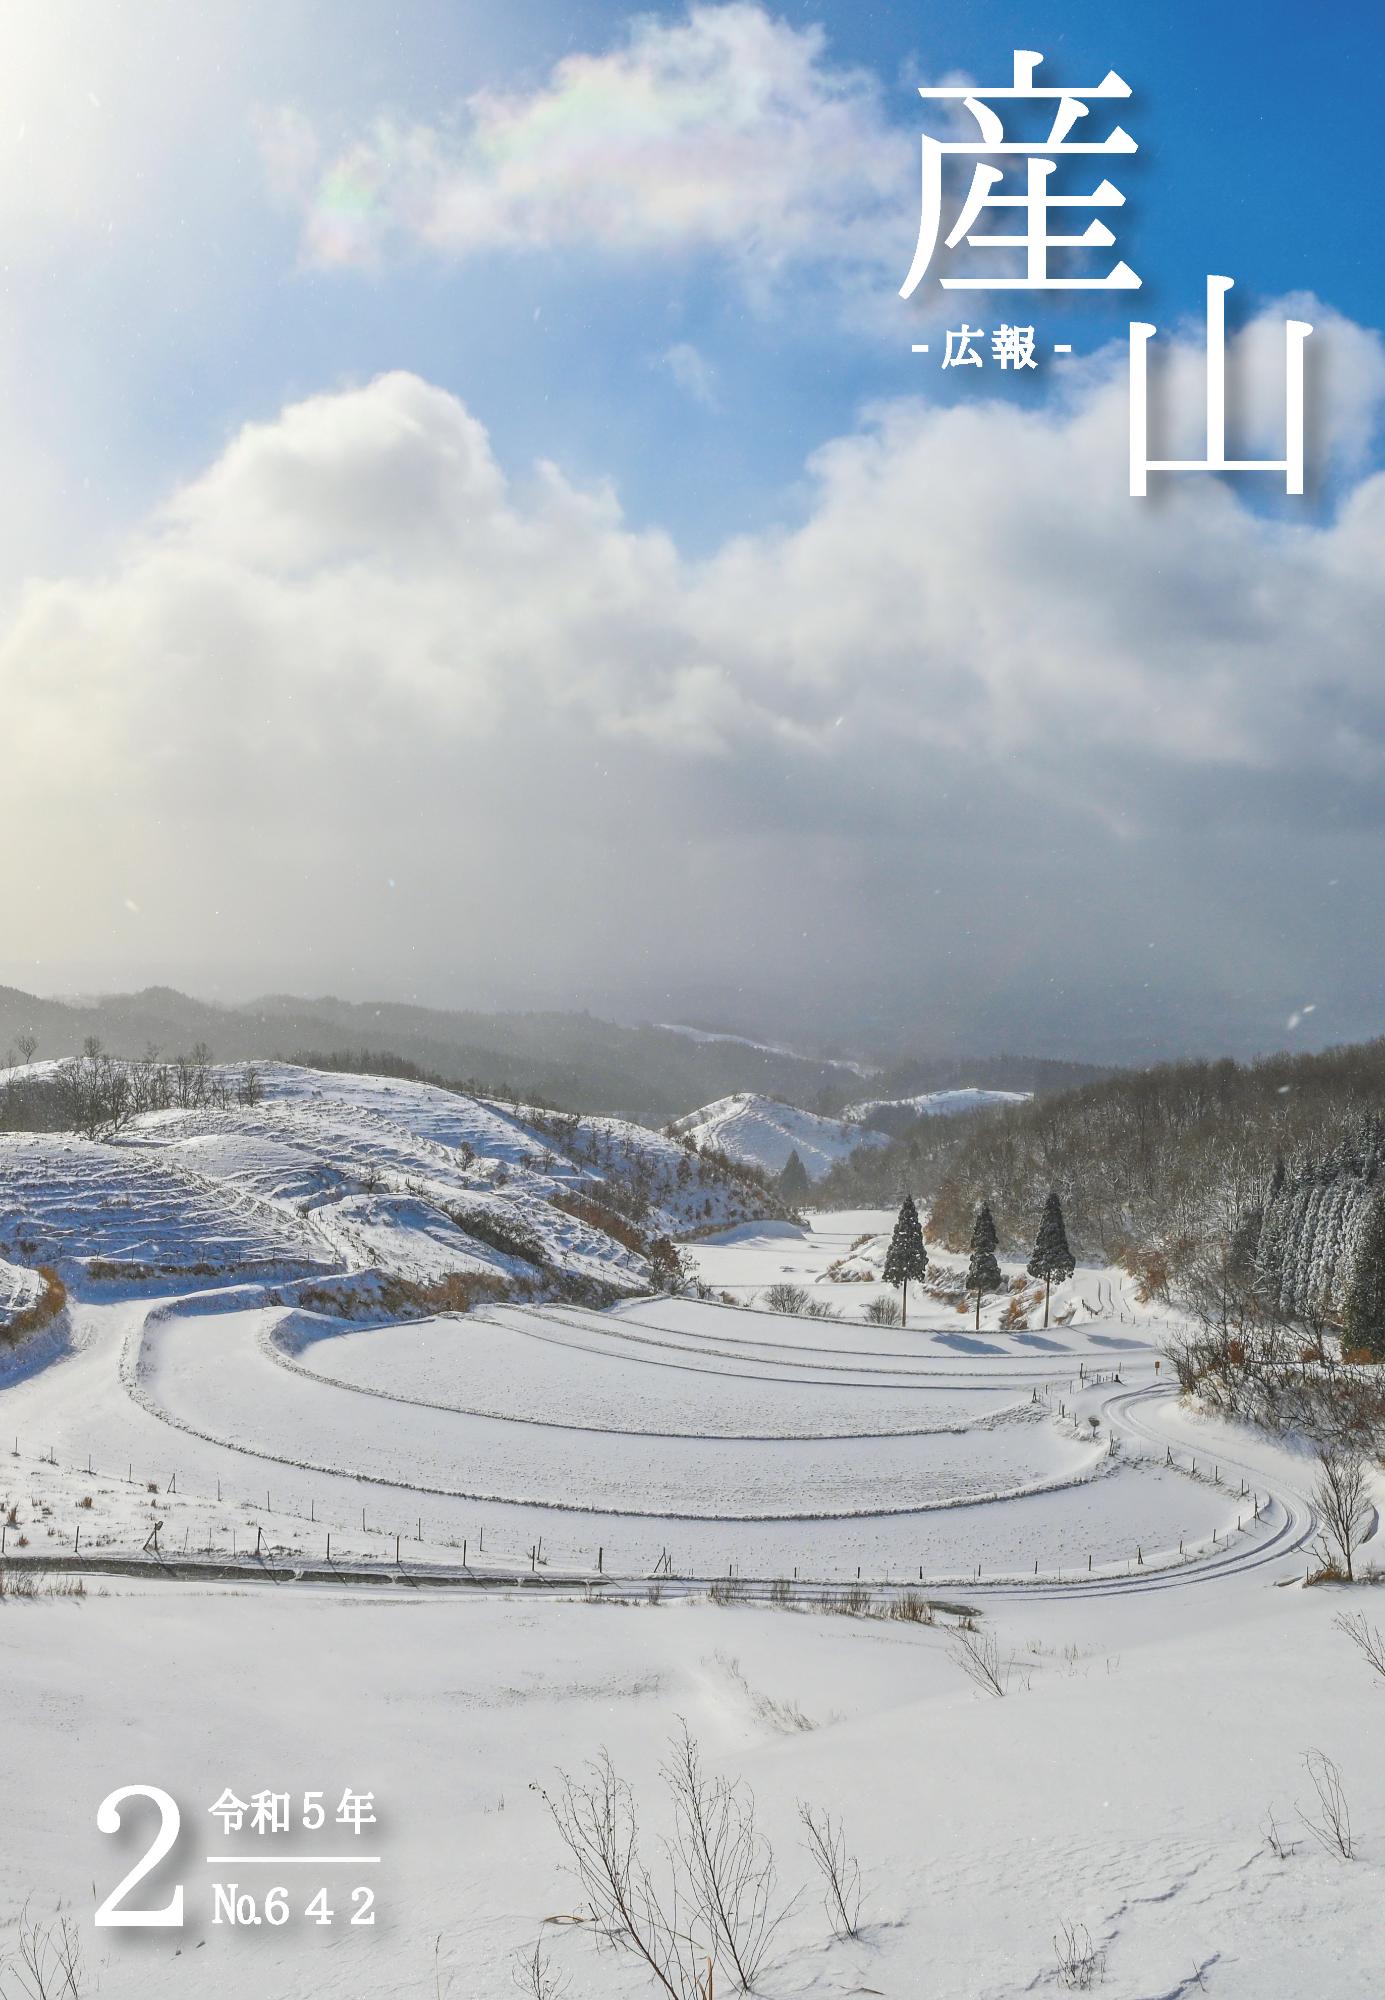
<point x="932" y="1104"/>
<point x="19" y="1288"/>
<point x="335" y="1172"/>
<point x="763" y="1133"/>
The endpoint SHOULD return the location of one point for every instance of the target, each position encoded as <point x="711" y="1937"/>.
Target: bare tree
<point x="1342" y="1498"/>
<point x="728" y="1862"/>
<point x="27" y="1045"/>
<point x="838" y="1867"/>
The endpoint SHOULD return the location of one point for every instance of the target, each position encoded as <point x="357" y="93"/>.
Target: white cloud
<point x="728" y="131"/>
<point x="695" y="375"/>
<point x="354" y="649"/>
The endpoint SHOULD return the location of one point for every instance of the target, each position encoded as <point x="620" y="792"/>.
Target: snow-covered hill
<point x="330" y="1173"/>
<point x="900" y="1112"/>
<point x="761" y="1132"/>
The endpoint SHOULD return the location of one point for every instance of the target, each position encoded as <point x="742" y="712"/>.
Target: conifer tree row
<point x="1307" y="1237"/>
<point x="1363" y="1315"/>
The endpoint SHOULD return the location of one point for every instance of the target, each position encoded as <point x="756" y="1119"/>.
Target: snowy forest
<point x="1198" y="1177"/>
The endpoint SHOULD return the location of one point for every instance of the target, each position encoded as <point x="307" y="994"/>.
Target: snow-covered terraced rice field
<point x="64" y="1197"/>
<point x="551" y="1368"/>
<point x="207" y="1373"/>
<point x="706" y="1437"/>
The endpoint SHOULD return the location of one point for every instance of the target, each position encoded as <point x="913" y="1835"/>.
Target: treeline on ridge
<point x="1147" y="1163"/>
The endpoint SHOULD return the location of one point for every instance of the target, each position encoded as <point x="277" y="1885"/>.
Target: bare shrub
<point x="838" y="1867"/>
<point x="779" y="1712"/>
<point x="910" y="1607"/>
<point x="784" y="1299"/>
<point x="853" y="1602"/>
<point x="597" y="1216"/>
<point x="1081" y="1964"/>
<point x="596" y="1822"/>
<point x="504" y="1232"/>
<point x="44" y="1310"/>
<point x="1279" y="1847"/>
<point x="1342" y="1498"/>
<point x="728" y="1862"/>
<point x="1368" y="1640"/>
<point x="669" y="1270"/>
<point x="534" y="1975"/>
<point x="820" y="1309"/>
<point x="718" y="1906"/>
<point x="1332" y="1829"/>
<point x="977" y="1653"/>
<point x="727" y="1590"/>
<point x="781" y="1591"/>
<point x="883" y="1311"/>
<point x="45" y="1963"/>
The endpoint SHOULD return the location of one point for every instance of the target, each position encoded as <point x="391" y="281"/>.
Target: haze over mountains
<point x="575" y="1060"/>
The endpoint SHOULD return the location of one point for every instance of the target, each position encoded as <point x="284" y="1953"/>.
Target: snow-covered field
<point x="1141" y="1566"/>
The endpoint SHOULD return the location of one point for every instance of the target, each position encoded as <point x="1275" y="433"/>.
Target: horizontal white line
<point x="1215" y="465"/>
<point x="289" y="1860"/>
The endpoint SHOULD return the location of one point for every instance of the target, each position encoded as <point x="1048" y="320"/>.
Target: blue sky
<point x="474" y="528"/>
<point x="1252" y="139"/>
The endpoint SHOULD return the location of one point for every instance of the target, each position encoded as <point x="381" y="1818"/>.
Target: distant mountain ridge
<point x="577" y="1061"/>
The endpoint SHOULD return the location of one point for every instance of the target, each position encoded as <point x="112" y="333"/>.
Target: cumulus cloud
<point x="728" y="131"/>
<point x="356" y="649"/>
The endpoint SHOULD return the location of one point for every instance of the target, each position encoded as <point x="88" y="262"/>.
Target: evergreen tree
<point x="793" y="1181"/>
<point x="1052" y="1258"/>
<point x="906" y="1257"/>
<point x="1269" y="1247"/>
<point x="983" y="1272"/>
<point x="1363" y="1320"/>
